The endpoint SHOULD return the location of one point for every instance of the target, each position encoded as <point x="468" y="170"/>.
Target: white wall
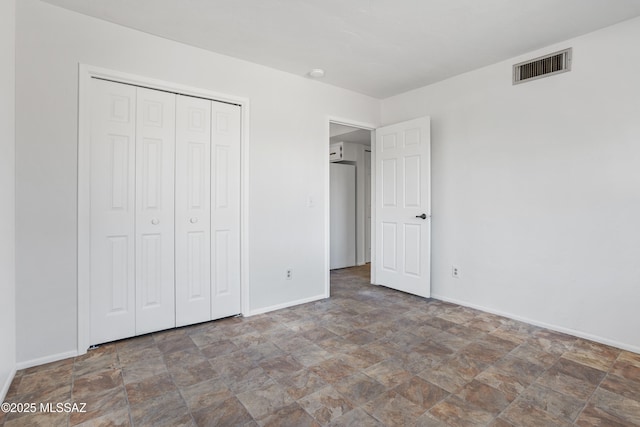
<point x="7" y="195"/>
<point x="288" y="137"/>
<point x="536" y="188"/>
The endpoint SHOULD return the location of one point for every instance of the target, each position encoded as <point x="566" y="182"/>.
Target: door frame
<point x="85" y="74"/>
<point x="327" y="184"/>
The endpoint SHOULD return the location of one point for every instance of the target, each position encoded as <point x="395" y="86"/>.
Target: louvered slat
<point x="555" y="63"/>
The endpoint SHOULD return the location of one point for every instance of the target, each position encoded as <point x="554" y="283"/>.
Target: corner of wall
<point x="7" y="384"/>
<point x="7" y="197"/>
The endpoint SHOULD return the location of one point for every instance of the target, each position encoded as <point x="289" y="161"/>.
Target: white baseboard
<point x="285" y="305"/>
<point x="7" y="384"/>
<point x="574" y="332"/>
<point x="46" y="359"/>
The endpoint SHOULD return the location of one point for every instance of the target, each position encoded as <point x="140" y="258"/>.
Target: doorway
<point x="349" y="196"/>
<point x="397" y="229"/>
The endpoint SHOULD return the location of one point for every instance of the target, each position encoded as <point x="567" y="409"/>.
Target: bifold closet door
<point x="193" y="210"/>
<point x="225" y="210"/>
<point x="113" y="144"/>
<point x="132" y="211"/>
<point x="155" y="158"/>
<point x="165" y="210"/>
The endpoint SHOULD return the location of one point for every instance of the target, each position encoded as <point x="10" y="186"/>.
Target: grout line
<point x="124" y="386"/>
<point x="598" y="386"/>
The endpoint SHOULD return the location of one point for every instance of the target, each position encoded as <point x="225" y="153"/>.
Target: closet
<point x="165" y="210"/>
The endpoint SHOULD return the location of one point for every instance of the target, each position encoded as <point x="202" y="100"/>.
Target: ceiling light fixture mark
<point x="316" y="73"/>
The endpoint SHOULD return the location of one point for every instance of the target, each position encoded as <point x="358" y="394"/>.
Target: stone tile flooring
<point x="368" y="356"/>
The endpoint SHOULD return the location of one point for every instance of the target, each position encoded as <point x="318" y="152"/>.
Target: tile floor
<point x="368" y="356"/>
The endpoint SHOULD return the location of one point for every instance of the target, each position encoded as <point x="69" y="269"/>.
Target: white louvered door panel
<point x="193" y="210"/>
<point x="403" y="206"/>
<point x="155" y="156"/>
<point x="112" y="237"/>
<point x="225" y="210"/>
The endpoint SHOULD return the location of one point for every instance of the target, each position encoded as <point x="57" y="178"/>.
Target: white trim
<point x="7" y="384"/>
<point x="244" y="206"/>
<point x="352" y="123"/>
<point x="327" y="197"/>
<point x="372" y="236"/>
<point x="46" y="359"/>
<point x="84" y="197"/>
<point x="85" y="74"/>
<point x="285" y="305"/>
<point x="573" y="332"/>
<point x="89" y="71"/>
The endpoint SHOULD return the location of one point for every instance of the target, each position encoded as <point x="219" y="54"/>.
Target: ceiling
<point x="337" y="129"/>
<point x="346" y="133"/>
<point x="376" y="47"/>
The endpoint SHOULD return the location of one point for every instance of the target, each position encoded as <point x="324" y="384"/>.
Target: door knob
<point x="423" y="216"/>
<point x="193" y="220"/>
<point x="155" y="221"/>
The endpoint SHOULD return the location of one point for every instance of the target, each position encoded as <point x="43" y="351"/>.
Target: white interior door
<point x="225" y="210"/>
<point x="155" y="157"/>
<point x="112" y="235"/>
<point x="403" y="206"/>
<point x="193" y="210"/>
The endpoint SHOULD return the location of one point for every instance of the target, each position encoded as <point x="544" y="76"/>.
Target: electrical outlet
<point x="289" y="273"/>
<point x="455" y="272"/>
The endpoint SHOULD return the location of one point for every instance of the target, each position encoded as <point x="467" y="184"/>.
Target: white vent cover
<point x="544" y="66"/>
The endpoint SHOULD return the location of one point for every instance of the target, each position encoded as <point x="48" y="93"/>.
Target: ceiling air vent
<point x="545" y="66"/>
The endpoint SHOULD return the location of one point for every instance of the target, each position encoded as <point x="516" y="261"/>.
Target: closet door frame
<point x="86" y="73"/>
